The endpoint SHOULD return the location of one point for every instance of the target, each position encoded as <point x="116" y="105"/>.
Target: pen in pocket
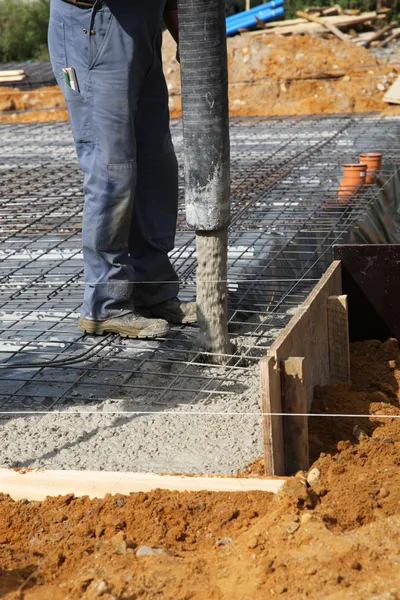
<point x="70" y="78"/>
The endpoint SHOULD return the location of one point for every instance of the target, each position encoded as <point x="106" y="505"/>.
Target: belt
<point x="82" y="3"/>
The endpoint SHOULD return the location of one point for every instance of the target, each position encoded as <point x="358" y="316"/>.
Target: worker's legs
<point x="156" y="200"/>
<point x="112" y="51"/>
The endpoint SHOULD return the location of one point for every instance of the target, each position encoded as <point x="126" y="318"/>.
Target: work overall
<point x="120" y="123"/>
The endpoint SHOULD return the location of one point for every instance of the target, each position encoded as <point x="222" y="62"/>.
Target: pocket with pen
<point x="71" y="80"/>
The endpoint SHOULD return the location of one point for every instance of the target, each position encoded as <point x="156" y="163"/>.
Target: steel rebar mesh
<point x="285" y="221"/>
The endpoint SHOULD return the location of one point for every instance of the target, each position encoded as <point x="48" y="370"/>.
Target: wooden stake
<point x="338" y="336"/>
<point x="274" y="454"/>
<point x="294" y="400"/>
<point x="248" y="4"/>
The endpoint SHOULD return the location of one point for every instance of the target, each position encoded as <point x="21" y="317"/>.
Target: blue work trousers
<point x="120" y="124"/>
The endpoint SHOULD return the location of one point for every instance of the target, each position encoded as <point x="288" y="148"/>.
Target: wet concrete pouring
<point x="76" y="402"/>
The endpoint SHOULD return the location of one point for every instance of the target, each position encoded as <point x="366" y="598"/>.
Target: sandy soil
<point x="269" y="76"/>
<point x="336" y="538"/>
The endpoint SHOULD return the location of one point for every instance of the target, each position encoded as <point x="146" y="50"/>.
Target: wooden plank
<point x="392" y="96"/>
<point x="338" y="338"/>
<point x="329" y="26"/>
<point x="274" y="454"/>
<point x="37" y="485"/>
<point x="12" y="78"/>
<point x="305" y="335"/>
<point x="302" y="26"/>
<point x="380" y="33"/>
<point x="294" y="400"/>
<point x="11" y="73"/>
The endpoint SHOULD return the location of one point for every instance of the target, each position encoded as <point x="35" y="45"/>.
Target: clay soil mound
<point x="336" y="538"/>
<point x="269" y="75"/>
<point x="273" y="75"/>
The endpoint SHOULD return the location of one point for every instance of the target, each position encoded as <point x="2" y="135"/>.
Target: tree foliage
<point x="23" y="30"/>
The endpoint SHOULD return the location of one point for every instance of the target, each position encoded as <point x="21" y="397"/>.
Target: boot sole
<point x="98" y="328"/>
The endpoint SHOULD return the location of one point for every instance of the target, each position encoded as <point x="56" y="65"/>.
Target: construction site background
<point x="270" y="75"/>
<point x="23" y="23"/>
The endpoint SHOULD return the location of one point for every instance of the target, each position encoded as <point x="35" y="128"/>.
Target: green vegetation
<point x="23" y="30"/>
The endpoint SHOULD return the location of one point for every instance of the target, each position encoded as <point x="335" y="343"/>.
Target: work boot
<point x="173" y="311"/>
<point x="130" y="325"/>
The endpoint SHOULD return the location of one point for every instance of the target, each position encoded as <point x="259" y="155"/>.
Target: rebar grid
<point x="285" y="221"/>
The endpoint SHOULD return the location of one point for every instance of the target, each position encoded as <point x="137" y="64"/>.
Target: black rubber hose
<point x="204" y="73"/>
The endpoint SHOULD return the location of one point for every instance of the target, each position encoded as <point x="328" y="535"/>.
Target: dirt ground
<point x="337" y="538"/>
<point x="269" y="75"/>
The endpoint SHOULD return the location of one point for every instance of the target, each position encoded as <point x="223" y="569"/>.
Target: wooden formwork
<point x="313" y="349"/>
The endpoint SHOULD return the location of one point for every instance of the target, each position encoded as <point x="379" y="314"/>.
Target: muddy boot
<point x="173" y="311"/>
<point x="130" y="325"/>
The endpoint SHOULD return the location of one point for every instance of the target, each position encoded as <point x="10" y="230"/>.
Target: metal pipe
<point x="253" y="11"/>
<point x="251" y="20"/>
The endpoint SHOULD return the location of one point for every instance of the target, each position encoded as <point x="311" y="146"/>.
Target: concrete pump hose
<point x="207" y="162"/>
<point x="204" y="73"/>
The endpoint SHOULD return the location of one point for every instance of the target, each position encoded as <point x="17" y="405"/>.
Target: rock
<point x="120" y="502"/>
<point x="224" y="541"/>
<point x="101" y="588"/>
<point x="392" y="364"/>
<point x="119" y="541"/>
<point x="147" y="551"/>
<point x="381" y="87"/>
<point x="293" y="527"/>
<point x="314" y="476"/>
<point x="306" y="518"/>
<point x="359" y="433"/>
<point x="301" y="475"/>
<point x="144" y="551"/>
<point x="281" y="589"/>
<point x="121" y="548"/>
<point x="356" y="566"/>
<point x="346" y="78"/>
<point x="383" y="493"/>
<point x="379" y="397"/>
<point x="388" y="389"/>
<point x="293" y="488"/>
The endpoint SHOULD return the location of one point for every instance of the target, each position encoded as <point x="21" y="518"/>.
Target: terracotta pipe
<point x="354" y="177"/>
<point x="373" y="160"/>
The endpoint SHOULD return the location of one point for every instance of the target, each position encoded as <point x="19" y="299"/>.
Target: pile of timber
<point x="370" y="29"/>
<point x="12" y="76"/>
